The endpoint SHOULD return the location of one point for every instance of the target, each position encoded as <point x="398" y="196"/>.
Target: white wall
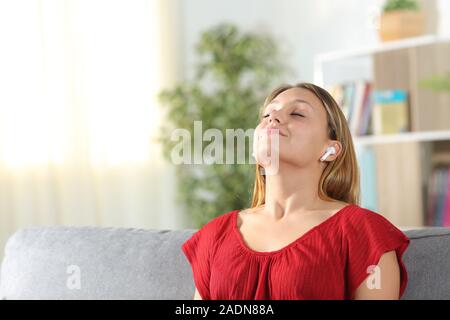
<point x="444" y="17"/>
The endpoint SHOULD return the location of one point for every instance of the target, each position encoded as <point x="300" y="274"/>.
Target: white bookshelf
<point x="394" y="180"/>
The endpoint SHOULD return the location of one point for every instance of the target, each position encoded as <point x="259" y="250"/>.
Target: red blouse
<point x="329" y="261"/>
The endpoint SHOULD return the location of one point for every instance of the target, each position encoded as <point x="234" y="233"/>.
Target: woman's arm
<point x="197" y="295"/>
<point x="389" y="280"/>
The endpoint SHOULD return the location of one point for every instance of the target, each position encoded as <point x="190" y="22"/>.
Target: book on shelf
<point x="363" y="126"/>
<point x="355" y="100"/>
<point x="368" y="178"/>
<point x="438" y="214"/>
<point x="390" y="112"/>
<point x="357" y="106"/>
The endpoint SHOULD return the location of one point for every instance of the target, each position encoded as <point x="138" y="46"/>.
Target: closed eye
<point x="296" y="114"/>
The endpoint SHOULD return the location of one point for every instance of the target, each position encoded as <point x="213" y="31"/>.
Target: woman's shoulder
<point x="216" y="224"/>
<point x="363" y="220"/>
<point x="360" y="214"/>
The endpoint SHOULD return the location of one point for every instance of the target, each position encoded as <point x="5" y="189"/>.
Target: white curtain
<point x="78" y="112"/>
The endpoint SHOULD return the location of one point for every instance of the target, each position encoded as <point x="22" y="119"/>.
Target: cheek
<point x="306" y="132"/>
<point x="300" y="135"/>
<point x="302" y="139"/>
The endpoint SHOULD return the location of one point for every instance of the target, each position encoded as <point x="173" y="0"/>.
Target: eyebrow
<point x="295" y="100"/>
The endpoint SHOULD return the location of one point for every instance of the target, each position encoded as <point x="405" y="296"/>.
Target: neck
<point x="292" y="191"/>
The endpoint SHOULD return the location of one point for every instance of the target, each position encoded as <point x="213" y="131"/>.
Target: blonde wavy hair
<point x="340" y="178"/>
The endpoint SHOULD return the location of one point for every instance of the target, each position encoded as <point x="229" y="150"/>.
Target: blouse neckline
<point x="286" y="247"/>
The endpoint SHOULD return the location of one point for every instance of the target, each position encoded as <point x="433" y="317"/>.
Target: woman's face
<point x="302" y="122"/>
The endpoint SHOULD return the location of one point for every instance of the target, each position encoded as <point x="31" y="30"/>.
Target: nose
<point x="274" y="116"/>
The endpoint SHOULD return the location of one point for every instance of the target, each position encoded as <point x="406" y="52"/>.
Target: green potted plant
<point x="401" y="19"/>
<point x="234" y="73"/>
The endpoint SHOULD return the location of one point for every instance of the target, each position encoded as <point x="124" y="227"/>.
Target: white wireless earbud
<point x="330" y="150"/>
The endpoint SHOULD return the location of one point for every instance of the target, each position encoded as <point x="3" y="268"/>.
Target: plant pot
<point x="400" y="24"/>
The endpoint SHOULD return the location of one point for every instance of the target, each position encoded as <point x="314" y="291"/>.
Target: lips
<point x="274" y="130"/>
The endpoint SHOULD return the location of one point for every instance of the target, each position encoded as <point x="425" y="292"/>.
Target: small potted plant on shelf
<point x="401" y="19"/>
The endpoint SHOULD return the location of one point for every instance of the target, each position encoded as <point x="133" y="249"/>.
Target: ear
<point x="337" y="146"/>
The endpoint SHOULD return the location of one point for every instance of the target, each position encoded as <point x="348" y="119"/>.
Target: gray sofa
<point x="60" y="262"/>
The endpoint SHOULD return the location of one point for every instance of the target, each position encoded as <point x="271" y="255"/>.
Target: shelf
<point x="385" y="46"/>
<point x="402" y="137"/>
<point x="361" y="57"/>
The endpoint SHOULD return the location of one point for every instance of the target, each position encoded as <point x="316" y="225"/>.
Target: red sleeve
<point x="198" y="252"/>
<point x="368" y="236"/>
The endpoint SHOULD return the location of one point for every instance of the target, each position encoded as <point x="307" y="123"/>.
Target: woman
<point x="305" y="236"/>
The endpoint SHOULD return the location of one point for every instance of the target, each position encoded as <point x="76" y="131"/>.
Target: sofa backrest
<point x="60" y="262"/>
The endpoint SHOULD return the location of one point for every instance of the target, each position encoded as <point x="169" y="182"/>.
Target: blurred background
<point x="90" y="92"/>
